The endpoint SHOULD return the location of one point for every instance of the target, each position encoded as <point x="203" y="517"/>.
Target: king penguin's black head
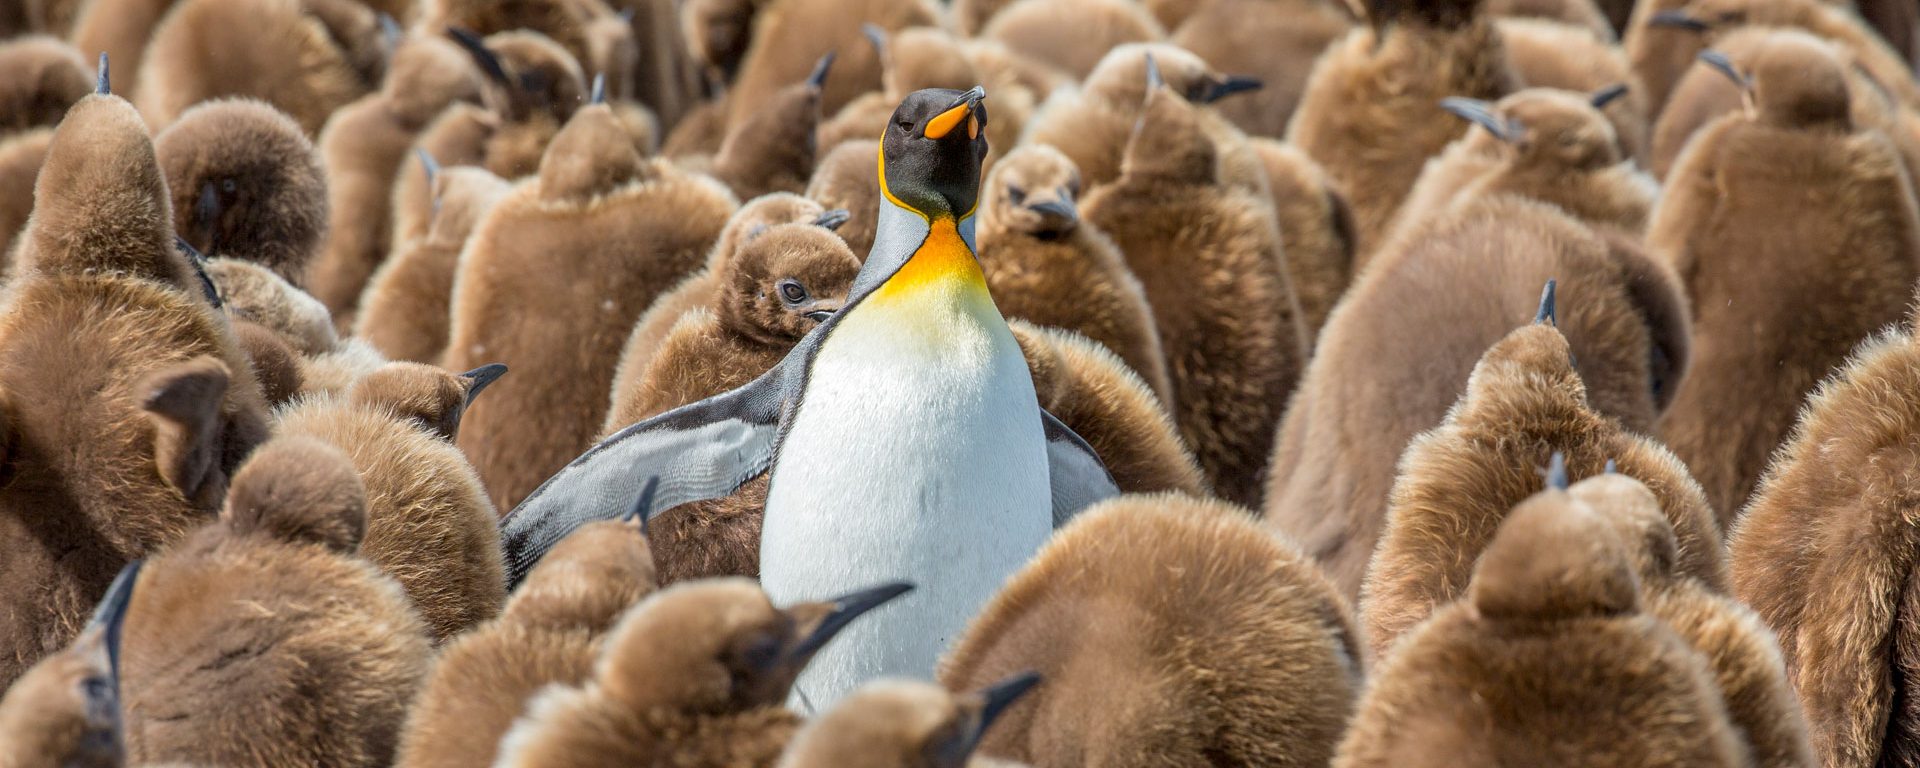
<point x="930" y="156"/>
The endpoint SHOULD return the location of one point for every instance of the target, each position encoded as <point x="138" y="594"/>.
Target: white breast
<point x="917" y="455"/>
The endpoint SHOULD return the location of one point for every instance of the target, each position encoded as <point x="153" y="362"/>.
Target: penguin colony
<point x="922" y="384"/>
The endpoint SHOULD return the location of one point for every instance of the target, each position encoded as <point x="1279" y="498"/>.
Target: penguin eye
<point x="1016" y="194"/>
<point x="1073" y="186"/>
<point x="227" y="186"/>
<point x="792" y="292"/>
<point x="905" y="125"/>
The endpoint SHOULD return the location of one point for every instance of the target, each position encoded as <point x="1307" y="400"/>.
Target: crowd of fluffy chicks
<point x="1387" y="503"/>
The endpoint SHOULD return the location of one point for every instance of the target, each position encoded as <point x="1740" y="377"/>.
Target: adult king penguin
<point x="902" y="434"/>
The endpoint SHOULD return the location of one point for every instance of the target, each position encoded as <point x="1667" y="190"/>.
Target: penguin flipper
<point x="1078" y="477"/>
<point x="700" y="451"/>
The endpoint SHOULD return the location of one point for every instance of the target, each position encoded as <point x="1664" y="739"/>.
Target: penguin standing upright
<point x="903" y="435"/>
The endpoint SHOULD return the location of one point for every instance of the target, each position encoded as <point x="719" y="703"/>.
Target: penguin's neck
<point x="938" y="286"/>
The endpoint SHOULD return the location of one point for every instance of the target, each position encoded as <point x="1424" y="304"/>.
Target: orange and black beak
<point x="966" y="109"/>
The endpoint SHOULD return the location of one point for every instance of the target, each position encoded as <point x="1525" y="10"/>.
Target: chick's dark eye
<point x="1016" y="194"/>
<point x="792" y="292"/>
<point x="227" y="186"/>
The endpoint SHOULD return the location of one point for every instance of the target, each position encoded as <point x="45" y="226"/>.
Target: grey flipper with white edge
<point x="700" y="451"/>
<point x="1078" y="477"/>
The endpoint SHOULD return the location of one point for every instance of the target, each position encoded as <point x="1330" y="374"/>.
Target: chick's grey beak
<point x="1479" y="113"/>
<point x="997" y="698"/>
<point x="845" y="610"/>
<point x="1229" y="86"/>
<point x="832" y="220"/>
<point x="1724" y="66"/>
<point x="1062" y="208"/>
<point x="820" y="315"/>
<point x="480" y="378"/>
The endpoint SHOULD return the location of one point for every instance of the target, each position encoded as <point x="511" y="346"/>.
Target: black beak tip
<point x="876" y="36"/>
<point x="818" y="77"/>
<point x="476" y="48"/>
<point x="642" y="509"/>
<point x="110" y="616"/>
<point x="1231" y="85"/>
<point x="1677" y="20"/>
<point x="1608" y="95"/>
<point x="1548" y="297"/>
<point x="1724" y="66"/>
<point x="103" y="80"/>
<point x="1061" y="209"/>
<point x="1002" y="695"/>
<point x="482" y="377"/>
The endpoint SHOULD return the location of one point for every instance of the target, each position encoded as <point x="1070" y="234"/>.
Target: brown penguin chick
<point x="549" y="634"/>
<point x="1316" y="230"/>
<point x="363" y="146"/>
<point x="1093" y="126"/>
<point x="1659" y="52"/>
<point x="1524" y="402"/>
<point x="700" y="132"/>
<point x="44" y="77"/>
<point x="1093" y="392"/>
<point x="261" y="637"/>
<point x="847" y="178"/>
<point x="1825" y="555"/>
<point x="695" y="675"/>
<point x="535" y="86"/>
<point x="698" y="291"/>
<point x="624" y="230"/>
<point x="1233" y="650"/>
<point x="1033" y="30"/>
<point x="1275" y="41"/>
<point x="65" y="711"/>
<point x="1898" y="23"/>
<point x="254" y="294"/>
<point x="1704" y="94"/>
<point x="1209" y="257"/>
<point x="1796" y="235"/>
<point x="761" y="301"/>
<point x="1413" y="326"/>
<point x="1045" y="267"/>
<point x="790" y="36"/>
<point x="905" y="724"/>
<point x="1542" y="144"/>
<point x="1550" y="659"/>
<point x="428" y="522"/>
<point x="773" y="150"/>
<point x="20" y="157"/>
<point x="1371" y="112"/>
<point x="666" y="77"/>
<point x="293" y="54"/>
<point x="1546" y="54"/>
<point x="126" y="403"/>
<point x="1740" y="650"/>
<point x="246" y="184"/>
<point x="1837" y="23"/>
<point x="408" y="303"/>
<point x="589" y="30"/>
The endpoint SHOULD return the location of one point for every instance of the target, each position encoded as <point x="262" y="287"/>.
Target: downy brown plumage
<point x="1033" y="28"/>
<point x="408" y="303"/>
<point x="65" y="711"/>
<point x="576" y="254"/>
<point x="246" y="184"/>
<point x="847" y="178"/>
<point x="1210" y="259"/>
<point x="1524" y="402"/>
<point x="1371" y="112"/>
<point x="1047" y="267"/>
<point x="261" y="637"/>
<point x="1546" y="54"/>
<point x="1169" y="630"/>
<point x="905" y="724"/>
<point x="1316" y="231"/>
<point x="364" y="145"/>
<point x="1396" y="354"/>
<point x="1275" y="41"/>
<point x="549" y="633"/>
<point x="1796" y="235"/>
<point x="305" y="57"/>
<point x="1550" y="659"/>
<point x="790" y="36"/>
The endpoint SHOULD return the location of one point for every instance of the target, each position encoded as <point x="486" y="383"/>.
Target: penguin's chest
<point x="916" y="454"/>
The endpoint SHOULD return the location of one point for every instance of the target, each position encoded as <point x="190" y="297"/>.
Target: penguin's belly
<point x="916" y="454"/>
